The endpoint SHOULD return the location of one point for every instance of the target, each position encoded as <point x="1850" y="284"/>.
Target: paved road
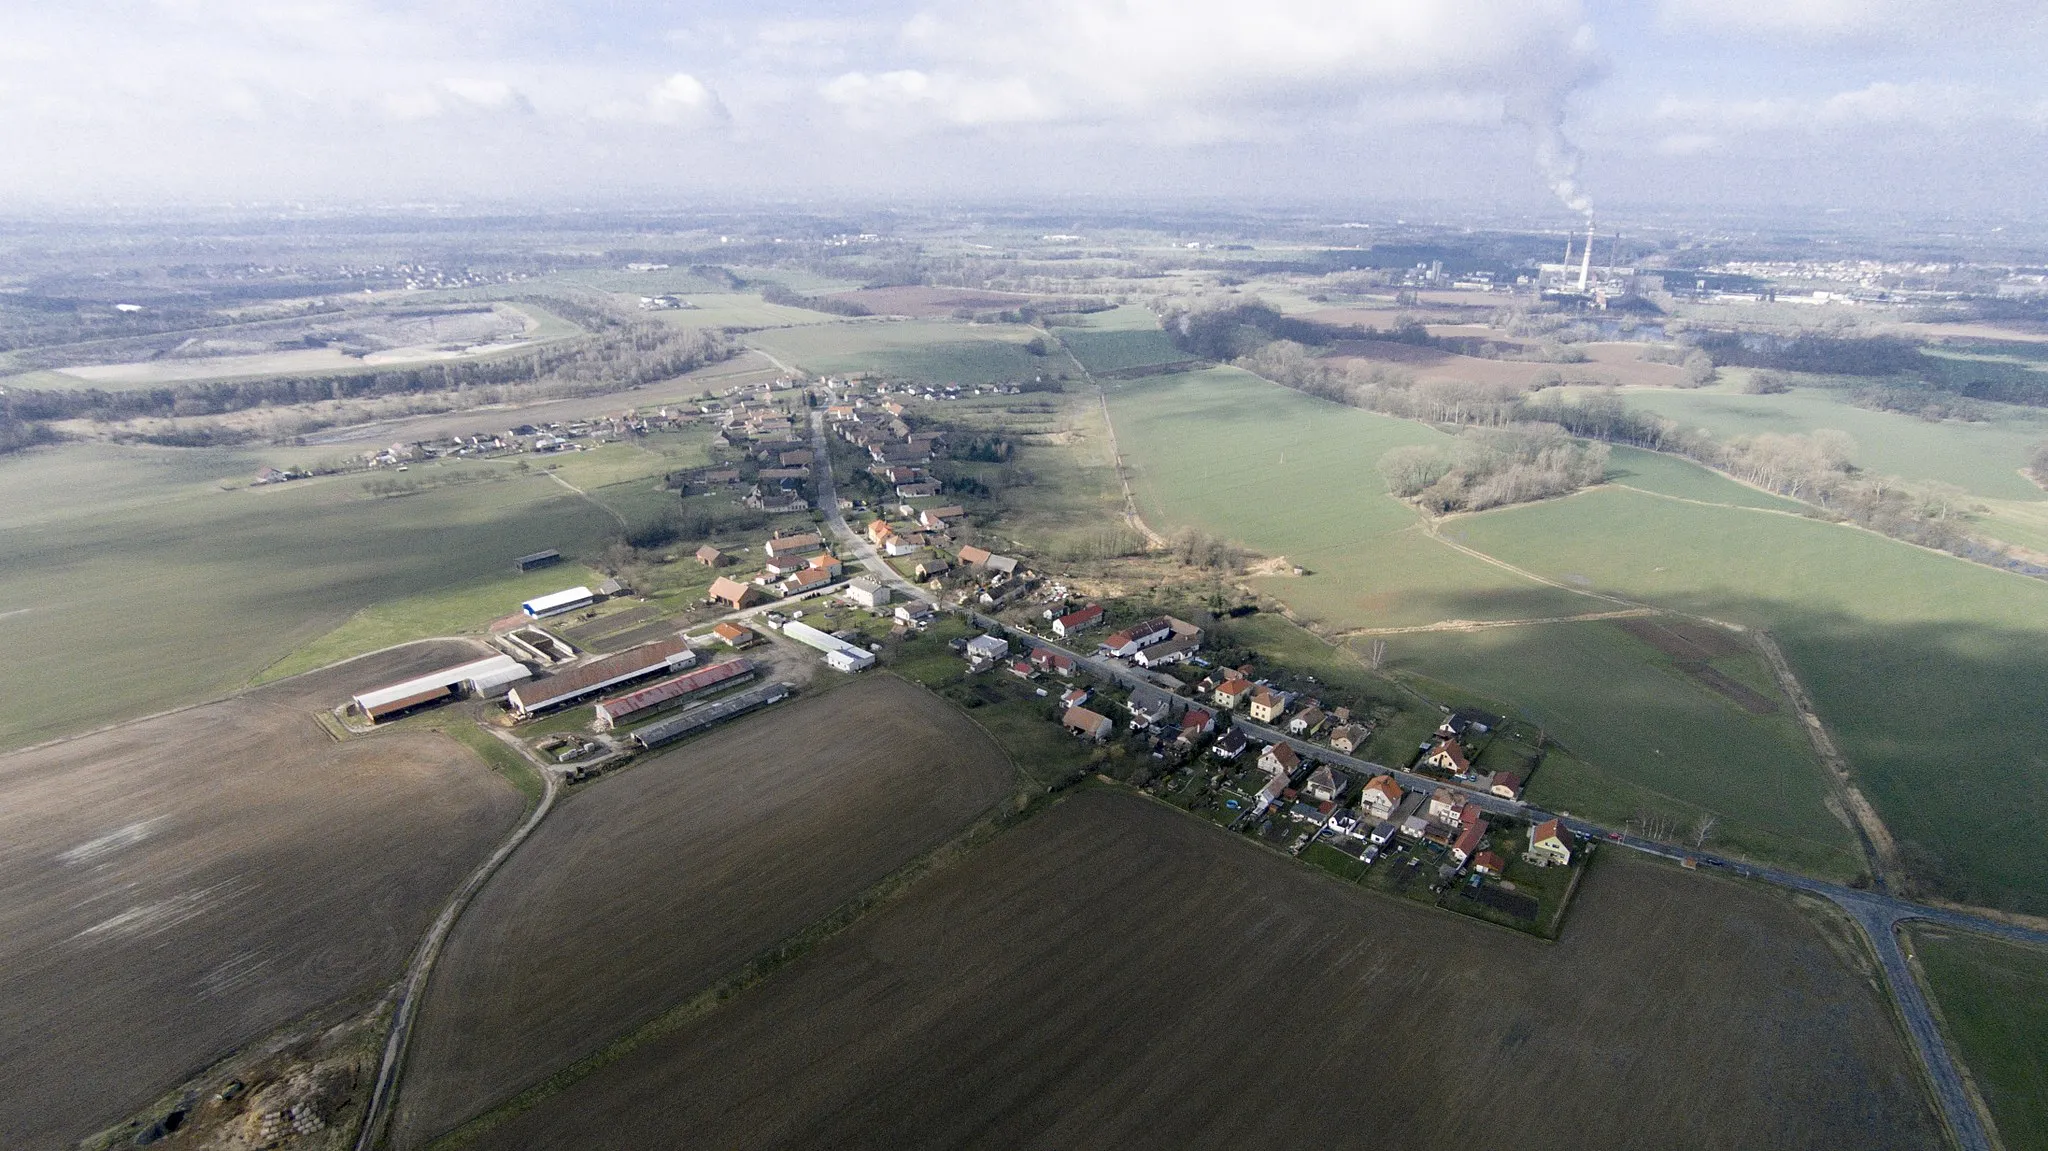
<point x="1878" y="913"/>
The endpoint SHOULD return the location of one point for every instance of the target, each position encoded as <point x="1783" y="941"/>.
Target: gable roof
<point x="1454" y="751"/>
<point x="1549" y="829"/>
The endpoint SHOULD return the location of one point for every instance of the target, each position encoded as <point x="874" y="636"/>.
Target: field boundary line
<point x="1116" y="455"/>
<point x="1000" y="817"/>
<point x="421" y="969"/>
<point x="1484" y="624"/>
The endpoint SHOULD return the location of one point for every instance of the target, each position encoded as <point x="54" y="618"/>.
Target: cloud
<point x="1848" y="21"/>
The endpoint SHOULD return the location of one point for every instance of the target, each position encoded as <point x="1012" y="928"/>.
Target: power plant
<point x="1585" y="284"/>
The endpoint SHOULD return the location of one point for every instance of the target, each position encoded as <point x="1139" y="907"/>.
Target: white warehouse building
<point x="555" y="603"/>
<point x="484" y="677"/>
<point x="839" y="654"/>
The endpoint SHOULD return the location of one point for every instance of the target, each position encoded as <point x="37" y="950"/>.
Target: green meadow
<point x="1993" y="998"/>
<point x="133" y="580"/>
<point x="1930" y="670"/>
<point x="928" y="351"/>
<point x="1982" y="458"/>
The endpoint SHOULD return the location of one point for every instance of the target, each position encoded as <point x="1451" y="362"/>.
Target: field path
<point x="1123" y="475"/>
<point x="430" y="949"/>
<point x="593" y="501"/>
<point x="1485" y="624"/>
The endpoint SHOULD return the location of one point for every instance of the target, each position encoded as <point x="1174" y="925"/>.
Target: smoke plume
<point x="1556" y="156"/>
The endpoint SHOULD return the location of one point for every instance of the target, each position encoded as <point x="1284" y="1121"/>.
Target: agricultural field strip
<point x="1867" y="909"/>
<point x="392" y="1062"/>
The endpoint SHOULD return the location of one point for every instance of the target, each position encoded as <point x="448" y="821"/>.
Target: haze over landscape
<point x="1078" y="574"/>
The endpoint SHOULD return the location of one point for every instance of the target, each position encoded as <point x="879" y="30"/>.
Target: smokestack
<point x="1568" y="238"/>
<point x="1586" y="264"/>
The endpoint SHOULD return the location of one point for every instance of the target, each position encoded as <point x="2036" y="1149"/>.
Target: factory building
<point x="555" y="603"/>
<point x="638" y="705"/>
<point x="839" y="654"/>
<point x="484" y="677"/>
<point x="577" y="683"/>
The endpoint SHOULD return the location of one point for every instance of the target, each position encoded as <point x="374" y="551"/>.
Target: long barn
<point x="638" y="705"/>
<point x="663" y="655"/>
<point x="483" y="677"/>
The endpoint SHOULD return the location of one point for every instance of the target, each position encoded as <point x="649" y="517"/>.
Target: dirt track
<point x="647" y="886"/>
<point x="176" y="886"/>
<point x="1114" y="975"/>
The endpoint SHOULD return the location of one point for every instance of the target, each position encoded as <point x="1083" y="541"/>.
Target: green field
<point x="1930" y="670"/>
<point x="1113" y="350"/>
<point x="131" y="581"/>
<point x="927" y="351"/>
<point x="1981" y="458"/>
<point x="1672" y="476"/>
<point x="1993" y="998"/>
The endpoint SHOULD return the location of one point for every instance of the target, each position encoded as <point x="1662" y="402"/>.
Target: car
<point x="1615" y="836"/>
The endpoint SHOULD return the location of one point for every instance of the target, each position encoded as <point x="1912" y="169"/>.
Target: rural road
<point x="393" y="1064"/>
<point x="1878" y="913"/>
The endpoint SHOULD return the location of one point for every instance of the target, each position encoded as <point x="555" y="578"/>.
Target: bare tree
<point x="1703" y="827"/>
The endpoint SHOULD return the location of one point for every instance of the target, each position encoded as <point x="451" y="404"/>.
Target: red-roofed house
<point x="1489" y="863"/>
<point x="1448" y="755"/>
<point x="1468" y="841"/>
<point x="1231" y="693"/>
<point x="1076" y="621"/>
<point x="1549" y="842"/>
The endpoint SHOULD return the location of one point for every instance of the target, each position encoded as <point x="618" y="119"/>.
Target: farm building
<point x="555" y="603"/>
<point x="711" y="557"/>
<point x="795" y="545"/>
<point x="867" y="592"/>
<point x="548" y="558"/>
<point x="634" y="663"/>
<point x="482" y="677"/>
<point x="635" y="705"/>
<point x="732" y="592"/>
<point x="1083" y="722"/>
<point x="1075" y="621"/>
<point x="839" y="654"/>
<point x="696" y="719"/>
<point x="736" y="636"/>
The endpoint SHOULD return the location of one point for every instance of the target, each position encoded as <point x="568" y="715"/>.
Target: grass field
<point x="1993" y="999"/>
<point x="927" y="351"/>
<point x="183" y="885"/>
<point x="141" y="585"/>
<point x="1981" y="458"/>
<point x="1671" y="476"/>
<point x="645" y="887"/>
<point x="1928" y="669"/>
<point x="1116" y="349"/>
<point x="1115" y="974"/>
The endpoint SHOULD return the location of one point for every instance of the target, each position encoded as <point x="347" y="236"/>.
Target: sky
<point x="1544" y="106"/>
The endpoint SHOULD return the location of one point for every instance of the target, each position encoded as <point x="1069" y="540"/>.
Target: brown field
<point x="650" y="885"/>
<point x="1116" y="975"/>
<point x="179" y="885"/>
<point x="1619" y="364"/>
<point x="1685" y="641"/>
<point x="930" y="303"/>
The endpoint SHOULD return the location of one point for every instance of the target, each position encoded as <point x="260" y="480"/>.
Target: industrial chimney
<point x="1586" y="263"/>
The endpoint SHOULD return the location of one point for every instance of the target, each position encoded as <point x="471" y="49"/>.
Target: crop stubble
<point x="1116" y="975"/>
<point x="650" y="885"/>
<point x="175" y="886"/>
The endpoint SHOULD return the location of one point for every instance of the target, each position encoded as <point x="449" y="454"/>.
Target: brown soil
<point x="1116" y="975"/>
<point x="1745" y="697"/>
<point x="648" y="886"/>
<point x="1685" y="641"/>
<point x="179" y="885"/>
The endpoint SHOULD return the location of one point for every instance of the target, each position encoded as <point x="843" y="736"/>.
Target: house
<point x="867" y="593"/>
<point x="711" y="557"/>
<point x="1448" y="755"/>
<point x="987" y="648"/>
<point x="1489" y="863"/>
<point x="878" y="530"/>
<point x="1197" y="723"/>
<point x="1325" y="784"/>
<point x="895" y="547"/>
<point x="973" y="556"/>
<point x="1229" y="745"/>
<point x="1349" y="737"/>
<point x="1001" y="565"/>
<point x="1021" y="668"/>
<point x="1468" y="841"/>
<point x="1128" y="641"/>
<point x="1073" y="697"/>
<point x="1231" y="693"/>
<point x="1268" y="794"/>
<point x="1083" y="722"/>
<point x="1381" y="796"/>
<point x="934" y="567"/>
<point x="1047" y="660"/>
<point x="1467" y="720"/>
<point x="1307" y="722"/>
<point x="1077" y="621"/>
<point x="1445" y="804"/>
<point x="914" y="610"/>
<point x="807" y="580"/>
<point x="1173" y="650"/>
<point x="828" y="563"/>
<point x="1550" y="843"/>
<point x="1505" y="784"/>
<point x="794" y="545"/>
<point x="1150" y="705"/>
<point x="1414" y="827"/>
<point x="1383" y="831"/>
<point x="799" y="458"/>
<point x="1280" y="757"/>
<point x="1269" y="704"/>
<point x="935" y="518"/>
<point x="732" y="592"/>
<point x="921" y="490"/>
<point x="736" y="636"/>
